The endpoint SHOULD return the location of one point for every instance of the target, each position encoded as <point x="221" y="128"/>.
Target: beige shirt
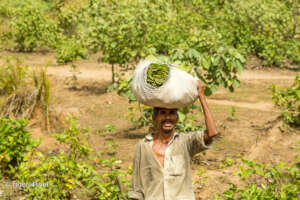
<point x="151" y="181"/>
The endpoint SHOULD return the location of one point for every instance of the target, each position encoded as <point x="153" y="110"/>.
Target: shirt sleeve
<point x="136" y="190"/>
<point x="195" y="142"/>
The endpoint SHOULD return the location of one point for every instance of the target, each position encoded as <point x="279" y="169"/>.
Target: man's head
<point x="165" y="119"/>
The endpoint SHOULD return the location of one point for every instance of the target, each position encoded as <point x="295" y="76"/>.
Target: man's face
<point x="166" y="119"/>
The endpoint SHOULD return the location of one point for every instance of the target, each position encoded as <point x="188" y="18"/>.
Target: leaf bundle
<point x="157" y="74"/>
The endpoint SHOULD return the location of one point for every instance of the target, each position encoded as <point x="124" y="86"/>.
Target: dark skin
<point x="166" y="120"/>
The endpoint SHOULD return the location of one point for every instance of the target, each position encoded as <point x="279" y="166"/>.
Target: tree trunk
<point x="113" y="73"/>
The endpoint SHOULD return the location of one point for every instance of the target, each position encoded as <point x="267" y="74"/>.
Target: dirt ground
<point x="252" y="132"/>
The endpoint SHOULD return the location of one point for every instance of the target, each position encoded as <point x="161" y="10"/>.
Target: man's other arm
<point x="136" y="190"/>
<point x="211" y="129"/>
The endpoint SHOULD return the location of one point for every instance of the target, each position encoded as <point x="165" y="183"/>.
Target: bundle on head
<point x="157" y="74"/>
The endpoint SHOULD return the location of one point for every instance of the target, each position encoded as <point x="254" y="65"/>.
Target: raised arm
<point x="211" y="129"/>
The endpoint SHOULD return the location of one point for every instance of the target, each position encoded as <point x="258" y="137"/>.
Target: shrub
<point x="61" y="175"/>
<point x="70" y="49"/>
<point x="56" y="176"/>
<point x="266" y="28"/>
<point x="76" y="140"/>
<point x="15" y="142"/>
<point x="32" y="29"/>
<point x="288" y="100"/>
<point x="271" y="182"/>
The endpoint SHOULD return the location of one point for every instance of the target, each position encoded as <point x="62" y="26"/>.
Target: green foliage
<point x="64" y="174"/>
<point x="12" y="75"/>
<point x="15" y="142"/>
<point x="76" y="139"/>
<point x="232" y="114"/>
<point x="57" y="176"/>
<point x="7" y="7"/>
<point x="142" y="120"/>
<point x="70" y="49"/>
<point x="266" y="182"/>
<point x="157" y="74"/>
<point x="288" y="100"/>
<point x="68" y="15"/>
<point x="227" y="162"/>
<point x="112" y="147"/>
<point x="110" y="128"/>
<point x="123" y="88"/>
<point x="200" y="32"/>
<point x="202" y="177"/>
<point x="266" y="28"/>
<point x="107" y="185"/>
<point x="32" y="29"/>
<point x="189" y="119"/>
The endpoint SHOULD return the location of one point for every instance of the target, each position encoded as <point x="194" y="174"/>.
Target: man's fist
<point x="201" y="88"/>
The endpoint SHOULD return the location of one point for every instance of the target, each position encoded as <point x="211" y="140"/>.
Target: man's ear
<point x="153" y="117"/>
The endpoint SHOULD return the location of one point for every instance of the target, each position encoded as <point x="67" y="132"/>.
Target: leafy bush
<point x="266" y="28"/>
<point x="266" y="182"/>
<point x="56" y="175"/>
<point x="126" y="31"/>
<point x="75" y="138"/>
<point x="70" y="49"/>
<point x="288" y="100"/>
<point x="7" y="7"/>
<point x="15" y="142"/>
<point x="32" y="29"/>
<point x="64" y="174"/>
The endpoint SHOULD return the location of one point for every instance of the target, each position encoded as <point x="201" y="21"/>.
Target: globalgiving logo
<point x="20" y="185"/>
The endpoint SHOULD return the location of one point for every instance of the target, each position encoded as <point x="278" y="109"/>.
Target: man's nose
<point x="168" y="116"/>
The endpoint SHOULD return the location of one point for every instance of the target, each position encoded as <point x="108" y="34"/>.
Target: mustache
<point x="169" y="121"/>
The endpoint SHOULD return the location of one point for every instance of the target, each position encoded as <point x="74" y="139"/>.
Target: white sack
<point x="179" y="89"/>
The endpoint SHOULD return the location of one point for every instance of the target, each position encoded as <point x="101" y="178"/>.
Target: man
<point x="161" y="166"/>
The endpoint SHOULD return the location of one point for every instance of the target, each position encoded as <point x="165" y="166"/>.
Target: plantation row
<point x="211" y="38"/>
<point x="206" y="33"/>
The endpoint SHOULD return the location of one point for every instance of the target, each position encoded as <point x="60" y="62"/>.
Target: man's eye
<point x="163" y="112"/>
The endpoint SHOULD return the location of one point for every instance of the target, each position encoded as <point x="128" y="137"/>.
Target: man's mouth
<point x="168" y="123"/>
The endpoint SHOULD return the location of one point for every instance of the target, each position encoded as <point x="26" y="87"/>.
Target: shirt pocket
<point x="177" y="165"/>
<point x="146" y="173"/>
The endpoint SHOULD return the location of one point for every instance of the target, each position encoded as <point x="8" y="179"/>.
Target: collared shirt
<point x="151" y="181"/>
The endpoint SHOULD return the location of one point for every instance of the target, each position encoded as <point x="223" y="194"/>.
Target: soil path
<point x="266" y="75"/>
<point x="102" y="73"/>
<point x="263" y="106"/>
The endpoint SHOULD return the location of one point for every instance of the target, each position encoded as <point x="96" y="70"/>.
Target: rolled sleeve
<point x="136" y="190"/>
<point x="135" y="195"/>
<point x="195" y="142"/>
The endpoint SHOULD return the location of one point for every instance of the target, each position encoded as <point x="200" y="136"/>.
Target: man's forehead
<point x="167" y="109"/>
